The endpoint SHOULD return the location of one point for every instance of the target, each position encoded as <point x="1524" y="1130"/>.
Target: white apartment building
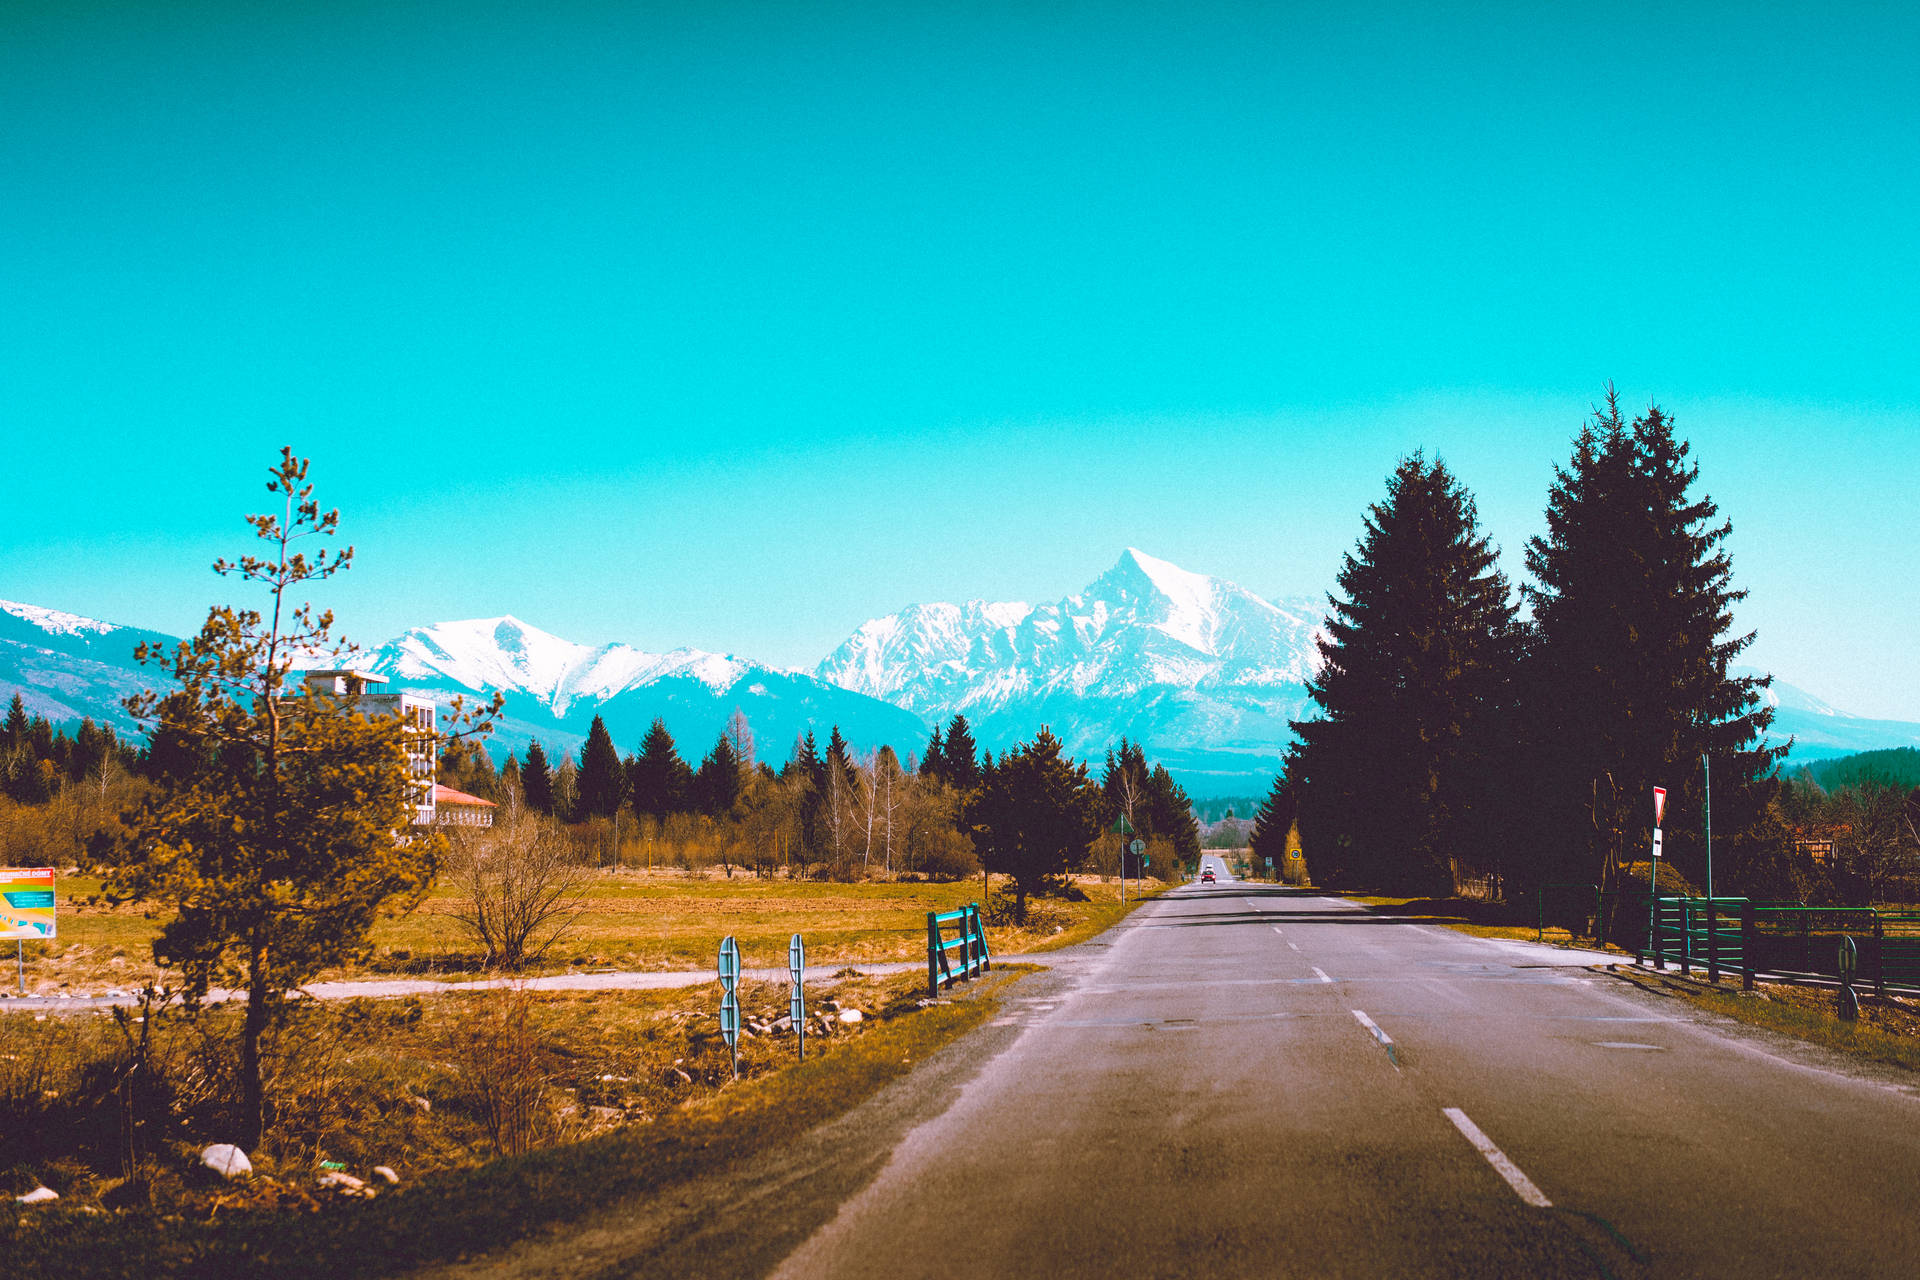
<point x="363" y="688"/>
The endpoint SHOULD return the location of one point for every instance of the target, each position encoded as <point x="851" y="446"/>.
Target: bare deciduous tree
<point x="518" y="880"/>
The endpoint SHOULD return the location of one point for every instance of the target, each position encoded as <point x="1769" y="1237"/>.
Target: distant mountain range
<point x="1204" y="672"/>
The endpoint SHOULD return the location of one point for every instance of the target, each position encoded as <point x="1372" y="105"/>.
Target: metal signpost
<point x="1137" y="848"/>
<point x="797" y="994"/>
<point x="26" y="911"/>
<point x="730" y="998"/>
<point x="1653" y="882"/>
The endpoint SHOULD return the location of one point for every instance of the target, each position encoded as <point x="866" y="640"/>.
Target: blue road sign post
<point x="797" y="993"/>
<point x="730" y="998"/>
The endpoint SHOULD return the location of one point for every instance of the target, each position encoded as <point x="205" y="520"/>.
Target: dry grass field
<point x="630" y="920"/>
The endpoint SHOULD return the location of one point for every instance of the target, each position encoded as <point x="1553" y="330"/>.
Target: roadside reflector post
<point x="1848" y="963"/>
<point x="933" y="955"/>
<point x="1686" y="936"/>
<point x="797" y="993"/>
<point x="1746" y="946"/>
<point x="730" y="999"/>
<point x="1879" y="957"/>
<point x="1713" y="943"/>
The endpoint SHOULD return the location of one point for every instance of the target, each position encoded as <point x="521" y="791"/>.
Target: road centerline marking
<point x="1321" y="974"/>
<point x="1386" y="1041"/>
<point x="1294" y="945"/>
<point x="1522" y="1185"/>
<point x="1373" y="1027"/>
<point x="1278" y="929"/>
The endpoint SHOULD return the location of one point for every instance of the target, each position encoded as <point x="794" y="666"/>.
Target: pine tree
<point x="537" y="777"/>
<point x="1271" y="824"/>
<point x="15" y="733"/>
<point x="717" y="782"/>
<point x="278" y="855"/>
<point x="962" y="770"/>
<point x="932" y="765"/>
<point x="1034" y="817"/>
<point x="512" y="789"/>
<point x="660" y="779"/>
<point x="808" y="773"/>
<point x="1628" y="680"/>
<point x="1389" y="775"/>
<point x="1170" y="815"/>
<point x="838" y="788"/>
<point x="602" y="782"/>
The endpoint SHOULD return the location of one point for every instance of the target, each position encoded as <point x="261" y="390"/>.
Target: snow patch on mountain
<point x="56" y="622"/>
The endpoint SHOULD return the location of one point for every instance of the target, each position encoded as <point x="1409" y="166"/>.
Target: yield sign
<point x="1659" y="804"/>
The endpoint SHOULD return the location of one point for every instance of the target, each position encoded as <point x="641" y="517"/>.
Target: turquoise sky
<point x="735" y="326"/>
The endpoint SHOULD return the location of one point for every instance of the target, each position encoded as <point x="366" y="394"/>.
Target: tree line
<point x="953" y="810"/>
<point x="1467" y="734"/>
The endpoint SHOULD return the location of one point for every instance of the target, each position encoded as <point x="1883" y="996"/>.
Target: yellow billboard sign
<point x="26" y="902"/>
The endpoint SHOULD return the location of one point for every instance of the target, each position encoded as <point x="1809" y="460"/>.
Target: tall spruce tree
<point x="537" y="777"/>
<point x="1420" y="648"/>
<point x="717" y="782"/>
<point x="962" y="769"/>
<point x="15" y="732"/>
<point x="1171" y="815"/>
<point x="1628" y="680"/>
<point x="602" y="781"/>
<point x="660" y="779"/>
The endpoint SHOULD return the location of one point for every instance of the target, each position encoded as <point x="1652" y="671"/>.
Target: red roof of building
<point x="447" y="795"/>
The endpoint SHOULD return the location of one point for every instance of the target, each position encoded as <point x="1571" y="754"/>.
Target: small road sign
<point x="730" y="998"/>
<point x="1659" y="804"/>
<point x="1138" y="847"/>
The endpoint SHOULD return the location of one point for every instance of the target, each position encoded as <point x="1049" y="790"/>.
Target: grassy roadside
<point x="470" y="1210"/>
<point x="1887" y="1031"/>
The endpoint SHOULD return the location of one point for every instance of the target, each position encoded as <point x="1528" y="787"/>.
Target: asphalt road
<point x="1245" y="1080"/>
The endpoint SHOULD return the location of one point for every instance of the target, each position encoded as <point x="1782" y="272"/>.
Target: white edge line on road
<point x="1321" y="974"/>
<point x="1521" y="1184"/>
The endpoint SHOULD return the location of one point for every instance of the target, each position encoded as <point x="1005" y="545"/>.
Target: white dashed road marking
<point x="1522" y="1185"/>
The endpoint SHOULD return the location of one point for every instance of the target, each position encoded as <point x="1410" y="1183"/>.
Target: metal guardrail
<point x="1788" y="939"/>
<point x="970" y="940"/>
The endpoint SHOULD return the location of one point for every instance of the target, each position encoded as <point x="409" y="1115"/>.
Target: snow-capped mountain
<point x="1203" y="670"/>
<point x="66" y="666"/>
<point x="555" y="687"/>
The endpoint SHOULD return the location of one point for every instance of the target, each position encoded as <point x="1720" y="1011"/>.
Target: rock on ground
<point x="227" y="1160"/>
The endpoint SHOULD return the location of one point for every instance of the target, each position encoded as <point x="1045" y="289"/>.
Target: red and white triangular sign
<point x="1659" y="804"/>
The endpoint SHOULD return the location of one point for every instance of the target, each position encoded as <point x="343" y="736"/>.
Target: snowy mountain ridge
<point x="507" y="654"/>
